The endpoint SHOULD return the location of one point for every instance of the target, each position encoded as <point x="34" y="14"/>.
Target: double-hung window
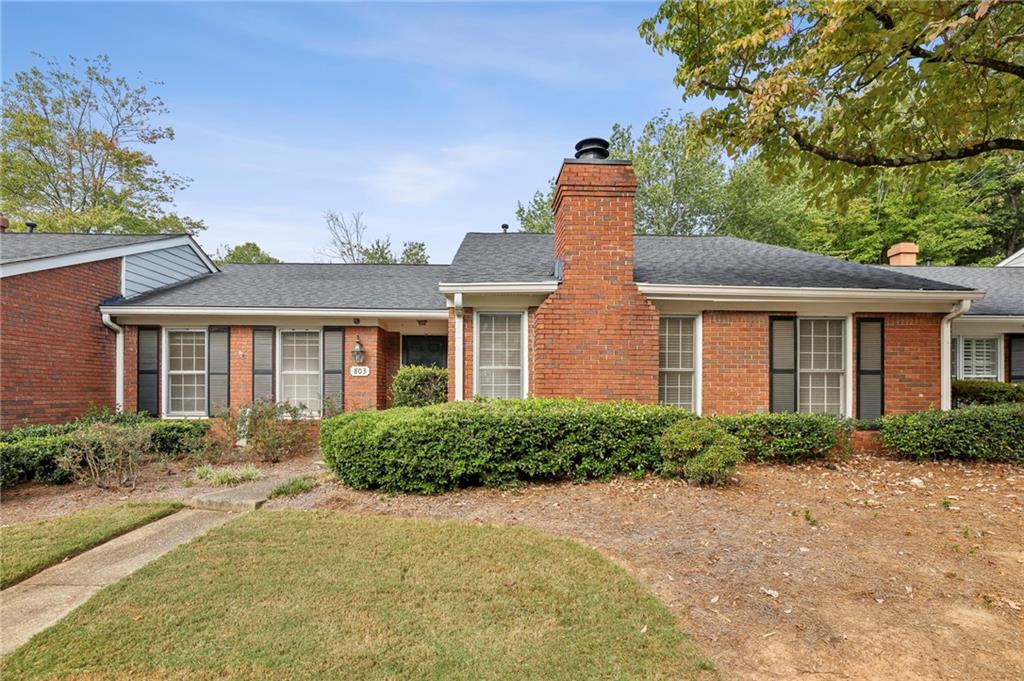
<point x="822" y="367"/>
<point x="300" y="369"/>
<point x="976" y="358"/>
<point x="186" y="372"/>
<point x="499" y="360"/>
<point x="676" y="358"/>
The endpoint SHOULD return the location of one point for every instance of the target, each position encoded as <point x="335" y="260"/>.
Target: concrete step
<point x="247" y="497"/>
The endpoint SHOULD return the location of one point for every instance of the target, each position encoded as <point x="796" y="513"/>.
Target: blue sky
<point x="430" y="119"/>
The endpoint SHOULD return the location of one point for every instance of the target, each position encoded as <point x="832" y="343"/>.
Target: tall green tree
<point x="73" y="143"/>
<point x="248" y="253"/>
<point x="831" y="85"/>
<point x="679" y="184"/>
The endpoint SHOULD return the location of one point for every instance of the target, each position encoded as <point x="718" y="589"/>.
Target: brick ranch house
<point x="713" y="324"/>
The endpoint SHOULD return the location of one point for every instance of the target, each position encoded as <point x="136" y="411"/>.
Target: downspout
<point x="960" y="309"/>
<point x="460" y="326"/>
<point x="118" y="361"/>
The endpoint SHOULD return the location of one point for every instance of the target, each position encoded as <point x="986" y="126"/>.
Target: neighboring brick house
<point x="57" y="357"/>
<point x="713" y="324"/>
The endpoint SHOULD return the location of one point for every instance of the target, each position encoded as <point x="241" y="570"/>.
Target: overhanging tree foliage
<point x="248" y="253"/>
<point x="831" y="84"/>
<point x="72" y="148"/>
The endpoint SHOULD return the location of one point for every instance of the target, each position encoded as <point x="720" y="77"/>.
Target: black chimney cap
<point x="31" y="226"/>
<point x="592" y="147"/>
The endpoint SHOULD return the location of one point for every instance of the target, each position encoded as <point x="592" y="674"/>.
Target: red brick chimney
<point x="597" y="335"/>
<point x="903" y="254"/>
<point x="4" y="223"/>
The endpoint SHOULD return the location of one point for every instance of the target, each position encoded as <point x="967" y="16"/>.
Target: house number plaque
<point x="360" y="371"/>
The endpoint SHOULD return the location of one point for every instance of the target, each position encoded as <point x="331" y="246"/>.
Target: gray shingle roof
<point x="701" y="260"/>
<point x="299" y="285"/>
<point x="1003" y="286"/>
<point x="20" y="246"/>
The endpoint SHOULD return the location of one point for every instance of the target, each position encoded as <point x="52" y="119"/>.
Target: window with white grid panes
<point x="821" y="362"/>
<point x="186" y="373"/>
<point x="976" y="358"/>
<point x="676" y="355"/>
<point x="300" y="369"/>
<point x="499" y="358"/>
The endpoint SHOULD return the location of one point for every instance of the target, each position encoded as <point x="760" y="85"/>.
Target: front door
<point x="425" y="351"/>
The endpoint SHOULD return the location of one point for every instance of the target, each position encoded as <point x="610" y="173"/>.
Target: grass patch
<point x="27" y="548"/>
<point x="294" y="487"/>
<point x="227" y="476"/>
<point x="300" y="595"/>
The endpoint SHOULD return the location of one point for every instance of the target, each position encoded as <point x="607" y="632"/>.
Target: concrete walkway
<point x="40" y="601"/>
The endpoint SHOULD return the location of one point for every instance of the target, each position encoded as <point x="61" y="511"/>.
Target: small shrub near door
<point x="105" y="454"/>
<point x="271" y="431"/>
<point x="983" y="433"/>
<point x="416" y="386"/>
<point x="700" y="451"/>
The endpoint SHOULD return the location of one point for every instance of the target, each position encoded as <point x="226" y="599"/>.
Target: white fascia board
<point x="55" y="261"/>
<point x="789" y="294"/>
<point x="273" y="312"/>
<point x="202" y="254"/>
<point x="1019" y="255"/>
<point x="991" y="318"/>
<point x="500" y="287"/>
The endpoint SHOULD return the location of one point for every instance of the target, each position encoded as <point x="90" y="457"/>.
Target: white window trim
<point x="524" y="349"/>
<point x="698" y="357"/>
<point x="846" y="389"/>
<point x="165" y="373"/>
<point x="278" y="371"/>
<point x="1000" y="352"/>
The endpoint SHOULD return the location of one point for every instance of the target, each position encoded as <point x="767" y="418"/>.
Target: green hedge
<point x="787" y="437"/>
<point x="984" y="433"/>
<point x="459" y="444"/>
<point x="699" y="450"/>
<point x="30" y="453"/>
<point x="416" y="386"/>
<point x="33" y="458"/>
<point x="966" y="393"/>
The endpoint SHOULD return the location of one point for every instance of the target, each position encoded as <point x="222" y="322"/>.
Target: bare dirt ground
<point x="867" y="569"/>
<point x="157" y="482"/>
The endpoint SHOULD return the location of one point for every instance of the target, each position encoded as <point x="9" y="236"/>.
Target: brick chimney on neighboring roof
<point x="4" y="223"/>
<point x="903" y="254"/>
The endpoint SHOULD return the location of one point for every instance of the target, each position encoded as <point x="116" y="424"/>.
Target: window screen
<point x="821" y="368"/>
<point x="676" y="361"/>
<point x="500" y="355"/>
<point x="300" y="369"/>
<point x="186" y="373"/>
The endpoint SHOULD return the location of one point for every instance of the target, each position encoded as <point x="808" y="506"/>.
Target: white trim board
<point x="272" y="311"/>
<point x="95" y="255"/>
<point x="499" y="287"/>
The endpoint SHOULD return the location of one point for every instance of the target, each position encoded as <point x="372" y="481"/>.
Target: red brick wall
<point x="56" y="357"/>
<point x="383" y="356"/>
<point x="735" y="362"/>
<point x="240" y="377"/>
<point x="467" y="353"/>
<point x="913" y="361"/>
<point x="596" y="336"/>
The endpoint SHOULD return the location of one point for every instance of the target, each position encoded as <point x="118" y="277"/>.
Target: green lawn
<point x="300" y="595"/>
<point x="27" y="548"/>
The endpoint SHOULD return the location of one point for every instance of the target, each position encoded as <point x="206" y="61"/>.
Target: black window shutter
<point x="1016" y="342"/>
<point x="870" y="368"/>
<point x="782" y="389"/>
<point x="263" y="363"/>
<point x="218" y="340"/>
<point x="147" y="382"/>
<point x="334" y="366"/>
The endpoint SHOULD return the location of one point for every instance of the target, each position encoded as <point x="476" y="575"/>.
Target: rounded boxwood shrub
<point x="417" y="386"/>
<point x="700" y="451"/>
<point x="493" y="442"/>
<point x="787" y="437"/>
<point x="33" y="458"/>
<point x="986" y="392"/>
<point x="984" y="433"/>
